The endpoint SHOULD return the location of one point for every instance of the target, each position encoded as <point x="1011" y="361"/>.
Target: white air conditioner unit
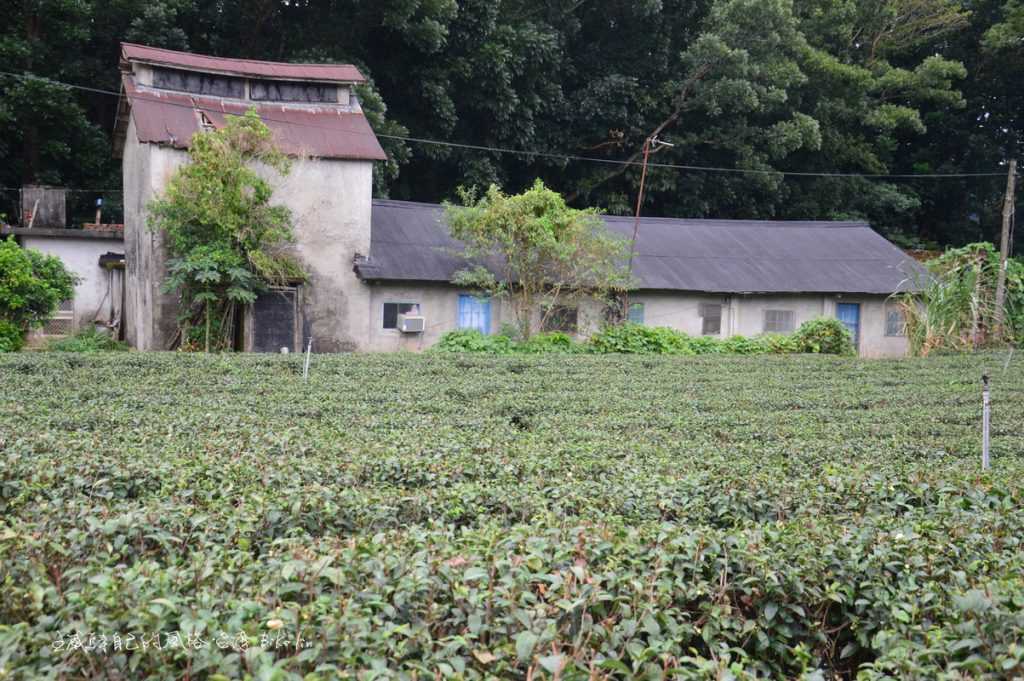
<point x="410" y="323"/>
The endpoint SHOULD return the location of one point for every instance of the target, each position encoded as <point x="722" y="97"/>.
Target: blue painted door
<point x="849" y="315"/>
<point x="474" y="313"/>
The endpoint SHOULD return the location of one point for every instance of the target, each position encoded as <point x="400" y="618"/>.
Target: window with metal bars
<point x="561" y="318"/>
<point x="711" y="319"/>
<point x="778" y="321"/>
<point x="895" y="321"/>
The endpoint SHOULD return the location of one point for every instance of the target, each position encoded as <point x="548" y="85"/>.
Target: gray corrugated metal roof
<point x="410" y="243"/>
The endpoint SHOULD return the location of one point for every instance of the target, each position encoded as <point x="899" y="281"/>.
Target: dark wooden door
<point x="275" y="320"/>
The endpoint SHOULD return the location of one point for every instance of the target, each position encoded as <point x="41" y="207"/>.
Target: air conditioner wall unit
<point x="411" y="323"/>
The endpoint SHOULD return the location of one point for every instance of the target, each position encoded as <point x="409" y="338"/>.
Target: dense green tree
<point x="810" y="86"/>
<point x="32" y="285"/>
<point x="544" y="256"/>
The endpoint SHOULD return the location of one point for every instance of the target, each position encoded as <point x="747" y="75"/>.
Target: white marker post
<point x="985" y="419"/>
<point x="305" y="369"/>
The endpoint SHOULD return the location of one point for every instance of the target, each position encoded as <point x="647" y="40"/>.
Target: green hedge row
<point x="824" y="336"/>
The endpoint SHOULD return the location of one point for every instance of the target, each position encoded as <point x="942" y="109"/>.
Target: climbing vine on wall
<point x="225" y="240"/>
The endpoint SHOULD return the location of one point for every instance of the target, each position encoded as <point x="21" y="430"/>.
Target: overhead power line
<point x="562" y="156"/>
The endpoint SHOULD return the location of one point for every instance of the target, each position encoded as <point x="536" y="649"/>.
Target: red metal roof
<point x="171" y="118"/>
<point x="333" y="73"/>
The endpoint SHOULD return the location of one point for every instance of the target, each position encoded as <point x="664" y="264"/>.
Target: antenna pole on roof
<point x="651" y="141"/>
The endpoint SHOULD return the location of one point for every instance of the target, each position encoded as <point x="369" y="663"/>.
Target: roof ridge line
<point x="401" y="203"/>
<point x="237" y="59"/>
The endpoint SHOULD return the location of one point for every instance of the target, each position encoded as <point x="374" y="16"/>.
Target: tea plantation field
<point x="448" y="516"/>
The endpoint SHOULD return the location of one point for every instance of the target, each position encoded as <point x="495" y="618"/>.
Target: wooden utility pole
<point x="651" y="142"/>
<point x="1004" y="247"/>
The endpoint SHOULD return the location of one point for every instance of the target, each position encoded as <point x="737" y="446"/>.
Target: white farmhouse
<point x="380" y="271"/>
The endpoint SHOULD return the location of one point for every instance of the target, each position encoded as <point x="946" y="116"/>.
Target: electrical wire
<point x="524" y="152"/>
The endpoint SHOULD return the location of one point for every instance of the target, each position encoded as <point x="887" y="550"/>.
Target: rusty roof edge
<point x="238" y="69"/>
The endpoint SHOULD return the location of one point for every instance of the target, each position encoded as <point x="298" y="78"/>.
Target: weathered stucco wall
<point x="330" y="204"/>
<point x="439" y="305"/>
<point x="96" y="286"/>
<point x="873" y="341"/>
<point x="741" y="315"/>
<point x="680" y="311"/>
<point x="744" y="315"/>
<point x="149" y="312"/>
<point x="748" y="312"/>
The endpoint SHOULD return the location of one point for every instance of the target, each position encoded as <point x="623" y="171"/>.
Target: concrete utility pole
<point x="1004" y="246"/>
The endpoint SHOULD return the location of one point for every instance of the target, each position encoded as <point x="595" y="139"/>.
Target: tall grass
<point x="955" y="308"/>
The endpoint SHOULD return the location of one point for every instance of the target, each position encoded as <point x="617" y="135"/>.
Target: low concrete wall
<point x="96" y="286"/>
<point x="330" y="203"/>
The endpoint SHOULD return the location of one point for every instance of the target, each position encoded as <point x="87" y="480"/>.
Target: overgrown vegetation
<point x="825" y="336"/>
<point x="506" y="517"/>
<point x="956" y="308"/>
<point x="537" y="252"/>
<point x="89" y="340"/>
<point x="32" y="285"/>
<point x="225" y="240"/>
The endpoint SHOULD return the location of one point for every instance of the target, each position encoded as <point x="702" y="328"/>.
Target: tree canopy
<point x="546" y="255"/>
<point x="804" y="86"/>
<point x="32" y="285"/>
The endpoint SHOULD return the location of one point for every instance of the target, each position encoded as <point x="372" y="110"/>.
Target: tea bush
<point x="475" y="516"/>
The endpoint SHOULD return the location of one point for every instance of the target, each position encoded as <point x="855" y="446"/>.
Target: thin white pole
<point x="985" y="420"/>
<point x="309" y="350"/>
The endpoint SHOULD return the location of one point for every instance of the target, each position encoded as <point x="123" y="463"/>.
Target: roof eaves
<point x="246" y="68"/>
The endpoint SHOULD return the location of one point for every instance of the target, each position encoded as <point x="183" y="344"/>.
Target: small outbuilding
<point x="96" y="258"/>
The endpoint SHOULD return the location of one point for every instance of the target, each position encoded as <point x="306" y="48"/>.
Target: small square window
<point x="561" y="318"/>
<point x="711" y="319"/>
<point x="613" y="312"/>
<point x="778" y="321"/>
<point x="895" y="321"/>
<point x="392" y="310"/>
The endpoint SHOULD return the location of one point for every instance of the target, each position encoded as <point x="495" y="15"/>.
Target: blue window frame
<point x="849" y="315"/>
<point x="474" y="313"/>
<point x="636" y="313"/>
